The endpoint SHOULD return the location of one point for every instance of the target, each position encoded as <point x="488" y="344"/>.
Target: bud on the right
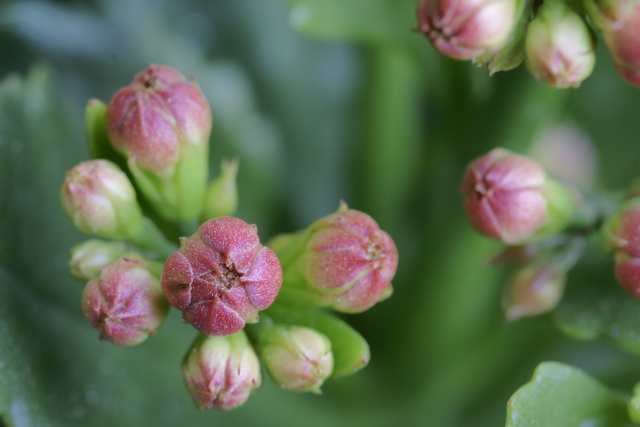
<point x="559" y="49"/>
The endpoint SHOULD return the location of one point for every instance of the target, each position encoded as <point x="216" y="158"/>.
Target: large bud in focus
<point x="221" y="372"/>
<point x="619" y="22"/>
<point x="560" y="48"/>
<point x="222" y="276"/>
<point x="343" y="261"/>
<point x="510" y="198"/>
<point x="125" y="303"/>
<point x="162" y="123"/>
<point x="466" y="29"/>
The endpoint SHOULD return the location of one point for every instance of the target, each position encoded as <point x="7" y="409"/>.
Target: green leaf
<point x="561" y="395"/>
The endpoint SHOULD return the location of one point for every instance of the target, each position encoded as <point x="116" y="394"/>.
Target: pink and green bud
<point x="221" y="372"/>
<point x="101" y="201"/>
<point x="619" y="20"/>
<point x="222" y="276"/>
<point x="509" y="197"/>
<point x="162" y="123"/>
<point x="90" y="257"/>
<point x="466" y="29"/>
<point x="560" y="48"/>
<point x="125" y="303"/>
<point x="534" y="289"/>
<point x="621" y="232"/>
<point x="297" y="358"/>
<point x="627" y="272"/>
<point x="222" y="194"/>
<point x="343" y="261"/>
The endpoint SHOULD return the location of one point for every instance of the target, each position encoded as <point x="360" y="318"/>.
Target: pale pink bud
<point x="297" y="358"/>
<point x="222" y="276"/>
<point x="126" y="303"/>
<point x="348" y="261"/>
<point x="627" y="272"/>
<point x="534" y="290"/>
<point x="466" y="29"/>
<point x="560" y="48"/>
<point x="504" y="196"/>
<point x="221" y="372"/>
<point x="90" y="257"/>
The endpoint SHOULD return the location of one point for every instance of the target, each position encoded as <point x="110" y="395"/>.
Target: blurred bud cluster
<point x="148" y="182"/>
<point x="555" y="38"/>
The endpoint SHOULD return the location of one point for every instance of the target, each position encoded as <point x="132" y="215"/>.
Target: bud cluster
<point x="553" y="37"/>
<point x="150" y="148"/>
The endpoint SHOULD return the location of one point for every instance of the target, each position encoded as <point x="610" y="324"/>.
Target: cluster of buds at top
<point x="553" y="37"/>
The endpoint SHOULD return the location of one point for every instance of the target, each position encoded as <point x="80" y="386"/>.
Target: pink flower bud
<point x="101" y="201"/>
<point x="560" y="47"/>
<point x="347" y="262"/>
<point x="504" y="196"/>
<point x="619" y="21"/>
<point x="466" y="29"/>
<point x="622" y="231"/>
<point x="221" y="372"/>
<point x="155" y="115"/>
<point x="627" y="272"/>
<point x="533" y="290"/>
<point x="222" y="276"/>
<point x="125" y="304"/>
<point x="297" y="358"/>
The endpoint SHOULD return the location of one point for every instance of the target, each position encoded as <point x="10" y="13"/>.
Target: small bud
<point x="621" y="232"/>
<point x="221" y="372"/>
<point x="627" y="272"/>
<point x="222" y="276"/>
<point x="90" y="257"/>
<point x="101" y="201"/>
<point x="466" y="29"/>
<point x="534" y="289"/>
<point x="560" y="48"/>
<point x="162" y="123"/>
<point x="297" y="358"/>
<point x="346" y="261"/>
<point x="508" y="197"/>
<point x="619" y="20"/>
<point x="125" y="304"/>
<point x="222" y="194"/>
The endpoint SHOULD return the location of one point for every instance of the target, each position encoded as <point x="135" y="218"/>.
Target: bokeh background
<point x="322" y="101"/>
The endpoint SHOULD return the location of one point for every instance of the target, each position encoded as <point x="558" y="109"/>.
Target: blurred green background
<point x="322" y="101"/>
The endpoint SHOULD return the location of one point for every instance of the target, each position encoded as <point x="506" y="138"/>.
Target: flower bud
<point x="343" y="261"/>
<point x="534" y="289"/>
<point x="508" y="197"/>
<point x="162" y="123"/>
<point x="621" y="232"/>
<point x="619" y="20"/>
<point x="90" y="257"/>
<point x="297" y="358"/>
<point x="466" y="29"/>
<point x="125" y="304"/>
<point x="222" y="194"/>
<point x="101" y="201"/>
<point x="222" y="276"/>
<point x="627" y="272"/>
<point x="560" y="47"/>
<point x="221" y="372"/>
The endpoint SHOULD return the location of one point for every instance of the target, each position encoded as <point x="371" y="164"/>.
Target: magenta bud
<point x="466" y="29"/>
<point x="533" y="290"/>
<point x="126" y="303"/>
<point x="504" y="196"/>
<point x="222" y="276"/>
<point x="221" y="372"/>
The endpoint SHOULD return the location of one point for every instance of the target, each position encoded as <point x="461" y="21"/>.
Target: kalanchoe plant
<point x="90" y="257"/>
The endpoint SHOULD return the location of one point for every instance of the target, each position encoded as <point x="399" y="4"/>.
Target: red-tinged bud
<point x="90" y="257"/>
<point x="297" y="358"/>
<point x="222" y="276"/>
<point x="619" y="21"/>
<point x="343" y="261"/>
<point x="533" y="290"/>
<point x="101" y="201"/>
<point x="621" y="232"/>
<point x="466" y="29"/>
<point x="126" y="303"/>
<point x="627" y="272"/>
<point x="510" y="198"/>
<point x="162" y="123"/>
<point x="221" y="372"/>
<point x="560" y="48"/>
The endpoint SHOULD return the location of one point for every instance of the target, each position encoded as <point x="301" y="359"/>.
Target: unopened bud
<point x="534" y="289"/>
<point x="297" y="358"/>
<point x="560" y="48"/>
<point x="627" y="272"/>
<point x="466" y="29"/>
<point x="101" y="201"/>
<point x="90" y="257"/>
<point x="126" y="303"/>
<point x="222" y="276"/>
<point x="621" y="232"/>
<point x="222" y="194"/>
<point x="221" y="372"/>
